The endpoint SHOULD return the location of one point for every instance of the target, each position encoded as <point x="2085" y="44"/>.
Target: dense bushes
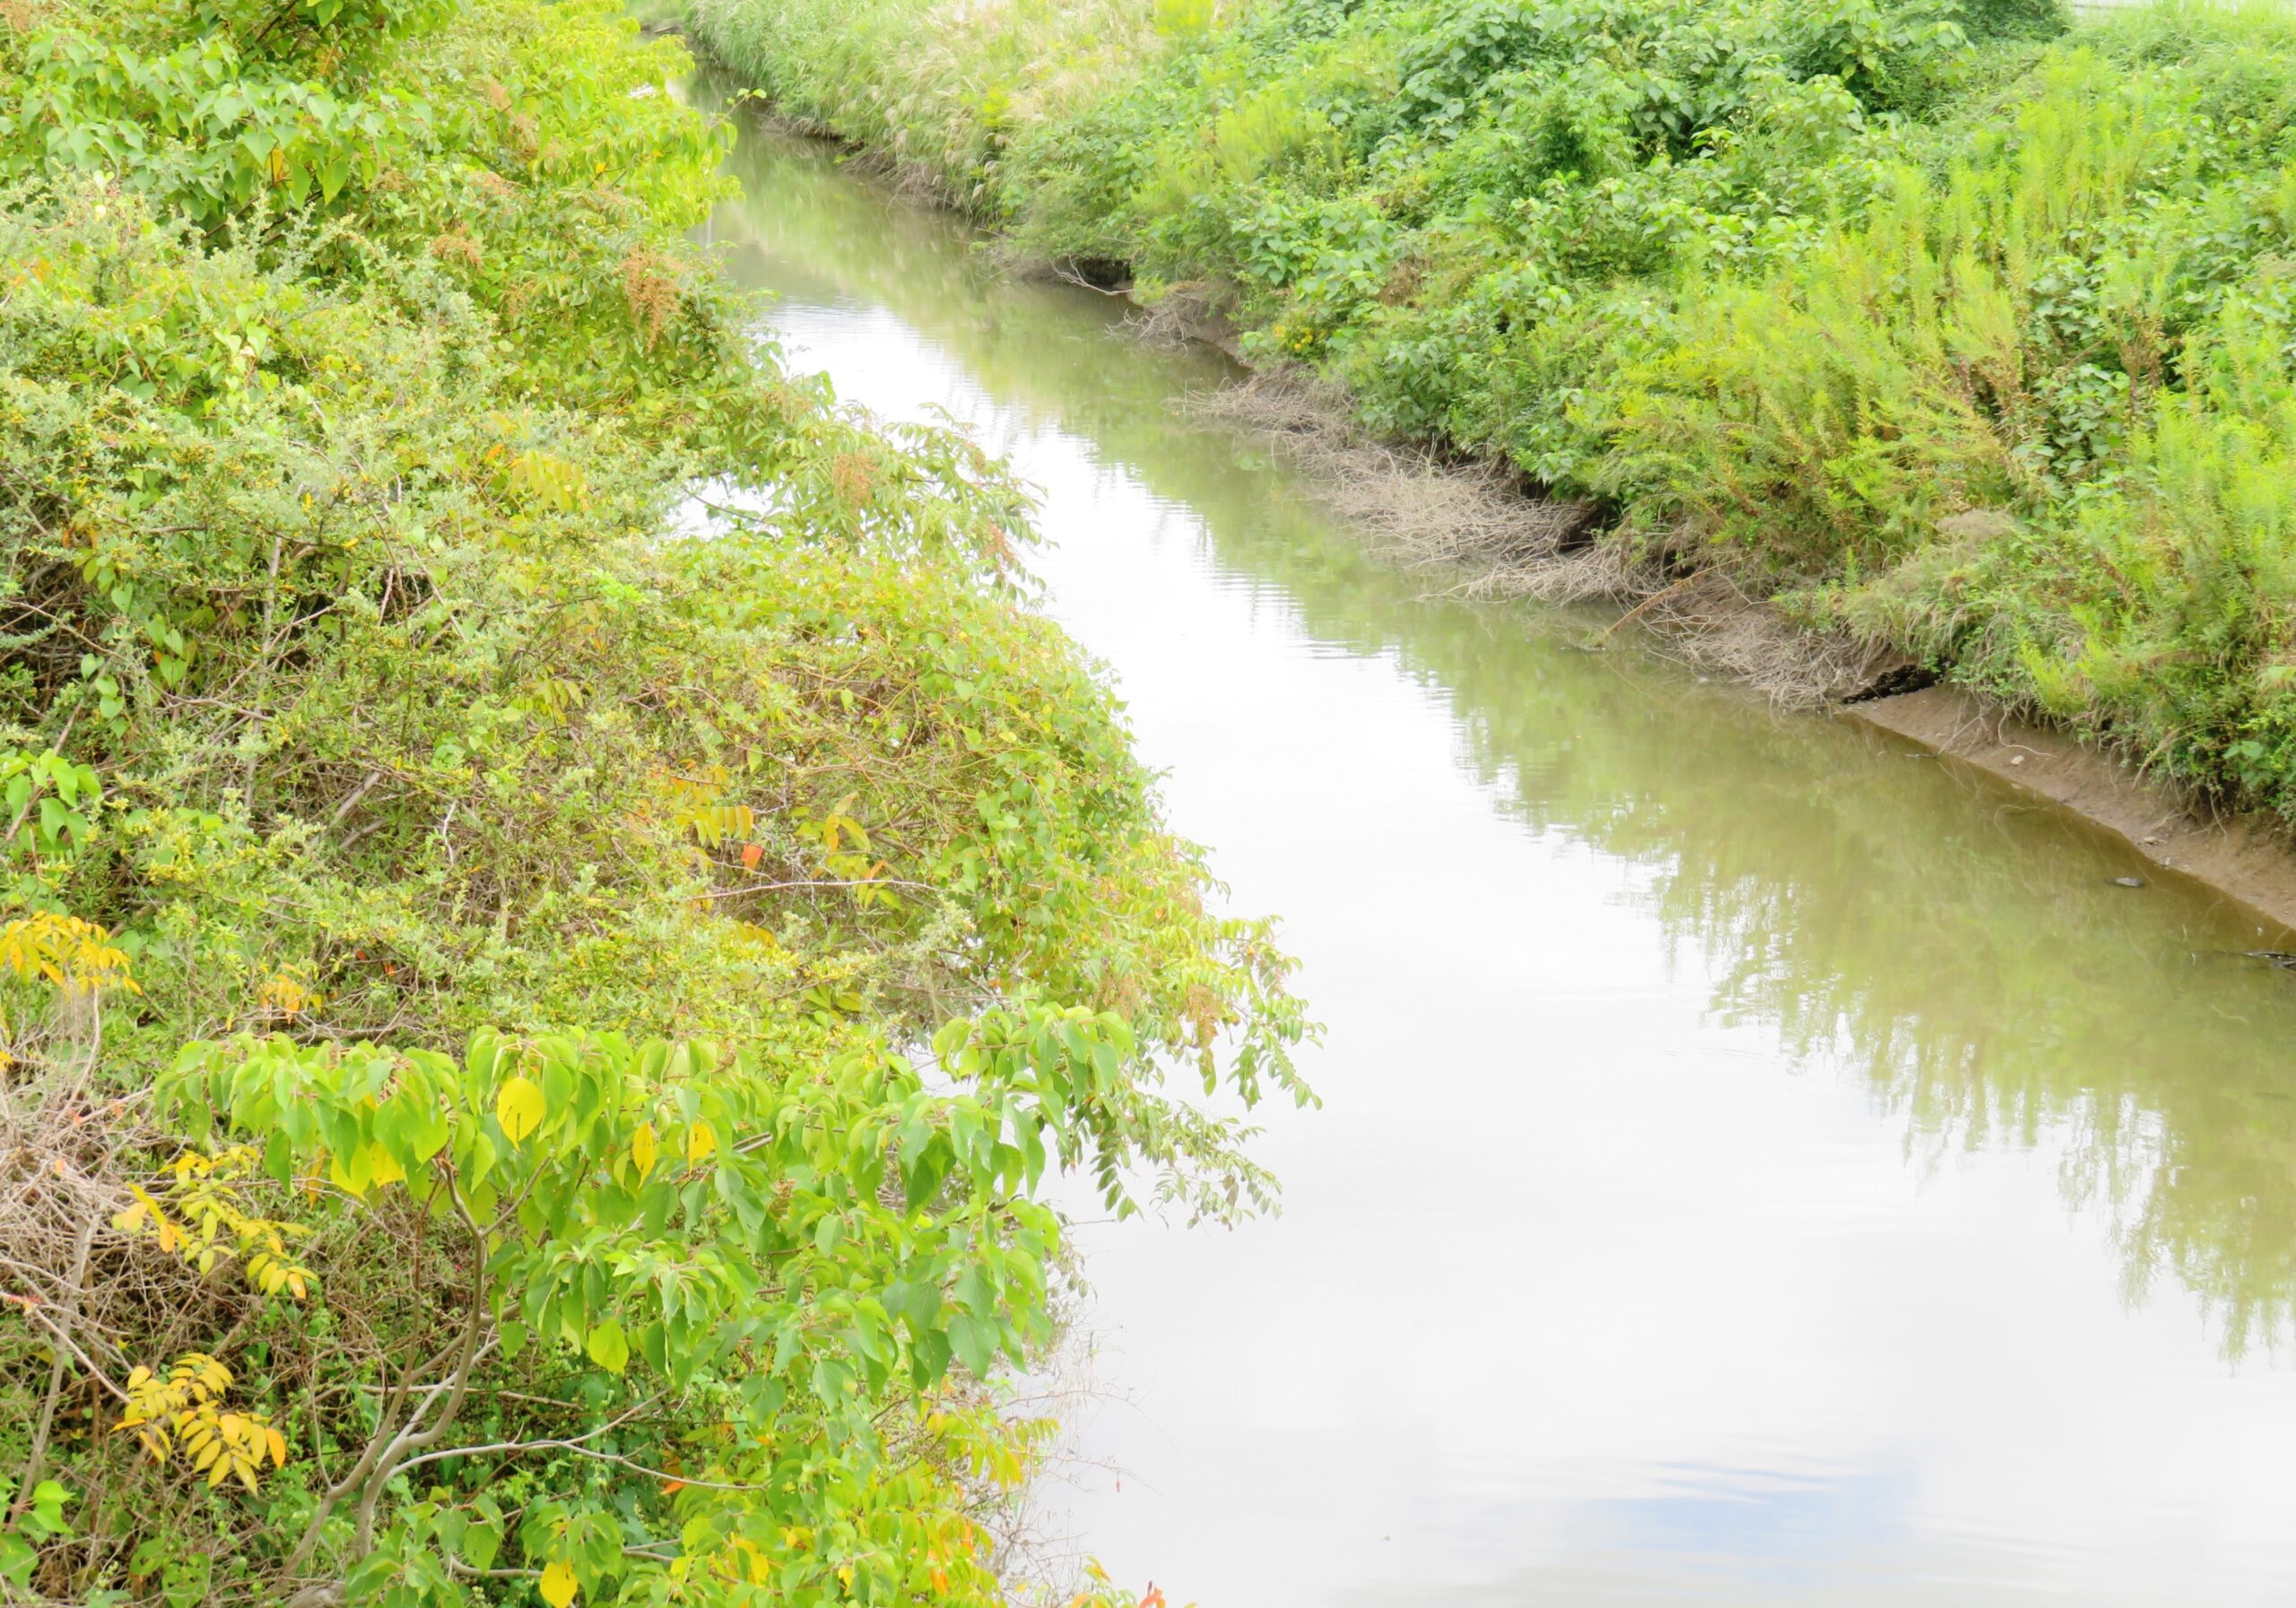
<point x="1940" y="322"/>
<point x="556" y="882"/>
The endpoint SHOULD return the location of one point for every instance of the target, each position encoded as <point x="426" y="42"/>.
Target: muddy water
<point x="1761" y="1164"/>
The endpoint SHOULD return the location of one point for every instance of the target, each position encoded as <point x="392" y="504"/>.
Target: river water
<point x="1760" y="1164"/>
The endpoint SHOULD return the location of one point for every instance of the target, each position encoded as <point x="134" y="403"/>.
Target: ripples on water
<point x="1761" y="1164"/>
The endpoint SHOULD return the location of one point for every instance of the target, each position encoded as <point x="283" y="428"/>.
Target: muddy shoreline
<point x="2244" y="858"/>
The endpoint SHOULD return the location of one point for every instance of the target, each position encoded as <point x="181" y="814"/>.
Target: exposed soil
<point x="2242" y="857"/>
<point x="1476" y="530"/>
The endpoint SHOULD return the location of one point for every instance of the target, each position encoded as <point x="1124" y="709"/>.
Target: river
<point x="1760" y="1163"/>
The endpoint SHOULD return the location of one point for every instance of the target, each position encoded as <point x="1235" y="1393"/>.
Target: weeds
<point x="1945" y="329"/>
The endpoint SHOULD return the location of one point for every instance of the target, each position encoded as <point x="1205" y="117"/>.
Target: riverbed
<point x="1760" y="1163"/>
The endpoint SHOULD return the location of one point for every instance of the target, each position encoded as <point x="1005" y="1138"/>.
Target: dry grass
<point x="1415" y="507"/>
<point x="1193" y="310"/>
<point x="86" y="1293"/>
<point x="1489" y="537"/>
<point x="1707" y="620"/>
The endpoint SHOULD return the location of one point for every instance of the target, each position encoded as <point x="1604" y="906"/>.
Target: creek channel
<point x="1760" y="1163"/>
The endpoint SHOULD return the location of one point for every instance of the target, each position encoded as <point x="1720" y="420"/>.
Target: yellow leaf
<point x="701" y="1141"/>
<point x="557" y="1586"/>
<point x="641" y="1148"/>
<point x="383" y="1168"/>
<point x="519" y="1108"/>
<point x="278" y="1445"/>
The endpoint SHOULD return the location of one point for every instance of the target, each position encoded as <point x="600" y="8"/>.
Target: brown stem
<point x="387" y="1428"/>
<point x="410" y="1439"/>
<point x="35" y="1464"/>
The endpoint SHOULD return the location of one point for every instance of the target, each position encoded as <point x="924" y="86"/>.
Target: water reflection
<point x="1732" y="1033"/>
<point x="1967" y="948"/>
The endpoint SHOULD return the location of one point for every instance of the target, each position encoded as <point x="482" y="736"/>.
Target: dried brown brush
<point x="650" y="285"/>
<point x="1490" y="537"/>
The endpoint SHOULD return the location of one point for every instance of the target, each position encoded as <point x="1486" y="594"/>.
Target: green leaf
<point x="17" y="1558"/>
<point x="449" y="1526"/>
<point x="928" y="1355"/>
<point x="974" y="1340"/>
<point x="483" y="1536"/>
<point x="916" y="1304"/>
<point x="49" y="1497"/>
<point x="609" y="1347"/>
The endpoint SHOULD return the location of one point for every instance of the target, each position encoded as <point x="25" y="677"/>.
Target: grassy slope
<point x="1943" y="323"/>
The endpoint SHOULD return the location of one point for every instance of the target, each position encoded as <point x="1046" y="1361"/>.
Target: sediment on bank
<point x="1477" y="531"/>
<point x="1472" y="528"/>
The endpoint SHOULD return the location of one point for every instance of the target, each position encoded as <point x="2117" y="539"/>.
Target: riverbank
<point x="1473" y="533"/>
<point x="1948" y="349"/>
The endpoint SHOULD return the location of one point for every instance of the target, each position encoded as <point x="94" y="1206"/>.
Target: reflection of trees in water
<point x="1967" y="954"/>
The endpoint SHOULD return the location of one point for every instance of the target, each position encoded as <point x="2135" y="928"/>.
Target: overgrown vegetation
<point x="1943" y="323"/>
<point x="476" y="921"/>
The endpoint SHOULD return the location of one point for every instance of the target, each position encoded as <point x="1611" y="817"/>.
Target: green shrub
<point x="561" y="903"/>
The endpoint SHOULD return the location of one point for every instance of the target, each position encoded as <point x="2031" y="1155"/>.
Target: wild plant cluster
<point x="1952" y="325"/>
<point x="559" y="908"/>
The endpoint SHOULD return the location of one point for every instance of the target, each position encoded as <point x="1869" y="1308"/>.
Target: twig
<point x="776" y="887"/>
<point x="357" y="793"/>
<point x="1667" y="591"/>
<point x="86" y="1361"/>
<point x="579" y="1450"/>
